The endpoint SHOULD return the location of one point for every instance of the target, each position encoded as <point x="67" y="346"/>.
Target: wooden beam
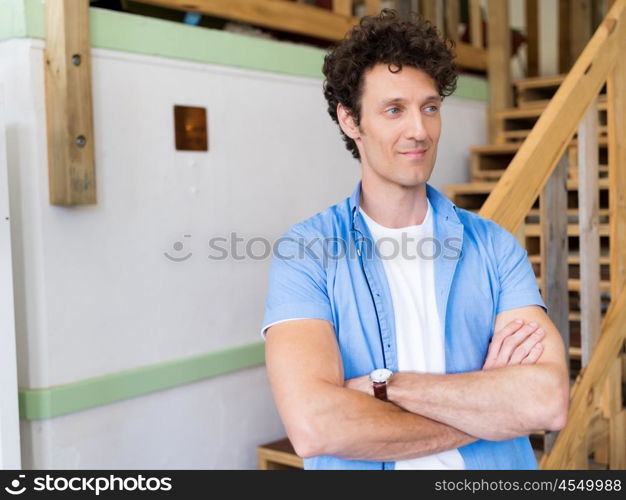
<point x="468" y="56"/>
<point x="554" y="249"/>
<point x="372" y="7"/>
<point x="428" y="9"/>
<point x="71" y="165"/>
<point x="554" y="252"/>
<point x="565" y="62"/>
<point x="617" y="440"/>
<point x="598" y="432"/>
<point x="521" y="183"/>
<point x="580" y="27"/>
<point x="452" y="19"/>
<point x="532" y="34"/>
<point x="610" y="406"/>
<point x="498" y="61"/>
<point x="276" y="14"/>
<point x="589" y="207"/>
<point x="404" y="8"/>
<point x="342" y="7"/>
<point x="476" y="24"/>
<point x="616" y="121"/>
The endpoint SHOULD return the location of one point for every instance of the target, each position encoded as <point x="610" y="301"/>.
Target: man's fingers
<point x="534" y="355"/>
<point x="497" y="339"/>
<point x="523" y="350"/>
<point x="510" y="343"/>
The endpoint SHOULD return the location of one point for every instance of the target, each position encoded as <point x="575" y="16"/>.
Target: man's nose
<point x="415" y="128"/>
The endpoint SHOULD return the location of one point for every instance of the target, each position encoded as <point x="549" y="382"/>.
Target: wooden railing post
<point x="589" y="206"/>
<point x="452" y="19"/>
<point x="498" y="61"/>
<point x="69" y="115"/>
<point x="532" y="31"/>
<point x="372" y="7"/>
<point x="554" y="253"/>
<point x="616" y="117"/>
<point x="476" y="23"/>
<point x="580" y="27"/>
<point x="404" y="8"/>
<point x="428" y="9"/>
<point x="343" y="7"/>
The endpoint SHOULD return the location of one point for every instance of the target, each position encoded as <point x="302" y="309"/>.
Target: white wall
<point x="9" y="434"/>
<point x="548" y="37"/>
<point x="95" y="294"/>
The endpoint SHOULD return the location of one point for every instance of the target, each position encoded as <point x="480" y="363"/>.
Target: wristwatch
<point x="380" y="378"/>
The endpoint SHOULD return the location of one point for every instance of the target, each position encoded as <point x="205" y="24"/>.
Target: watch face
<point x="381" y="375"/>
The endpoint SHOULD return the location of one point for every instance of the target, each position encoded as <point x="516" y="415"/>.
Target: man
<point x="383" y="360"/>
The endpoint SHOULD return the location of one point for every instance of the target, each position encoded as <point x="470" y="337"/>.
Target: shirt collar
<point x="442" y="206"/>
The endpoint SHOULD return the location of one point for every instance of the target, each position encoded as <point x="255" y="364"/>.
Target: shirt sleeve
<point x="297" y="281"/>
<point x="518" y="283"/>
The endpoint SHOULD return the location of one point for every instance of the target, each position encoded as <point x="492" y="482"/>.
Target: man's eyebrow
<point x="401" y="100"/>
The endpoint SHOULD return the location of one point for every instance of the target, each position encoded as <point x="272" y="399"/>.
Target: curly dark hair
<point x="384" y="39"/>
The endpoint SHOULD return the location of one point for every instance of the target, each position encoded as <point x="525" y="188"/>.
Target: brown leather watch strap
<point x="380" y="390"/>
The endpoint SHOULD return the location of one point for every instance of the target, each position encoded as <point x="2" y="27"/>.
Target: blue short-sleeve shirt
<point x="327" y="267"/>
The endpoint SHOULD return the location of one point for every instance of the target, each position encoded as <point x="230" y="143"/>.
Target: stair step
<point x="494" y="175"/>
<point x="572" y="213"/>
<point x="572" y="229"/>
<point x="573" y="285"/>
<point x="522" y="113"/>
<point x="515" y="124"/>
<point x="486" y="187"/>
<point x="513" y="147"/>
<point x="488" y="162"/>
<point x="519" y="136"/>
<point x="538" y="91"/>
<point x="573" y="258"/>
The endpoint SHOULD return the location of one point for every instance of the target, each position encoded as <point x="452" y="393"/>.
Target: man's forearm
<point x="496" y="404"/>
<point x="356" y="426"/>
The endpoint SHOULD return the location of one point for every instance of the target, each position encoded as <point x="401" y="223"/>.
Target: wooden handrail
<point x="513" y="197"/>
<point x="566" y="452"/>
<point x="518" y="188"/>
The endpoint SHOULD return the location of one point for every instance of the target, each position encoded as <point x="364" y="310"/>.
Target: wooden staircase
<point x="489" y="162"/>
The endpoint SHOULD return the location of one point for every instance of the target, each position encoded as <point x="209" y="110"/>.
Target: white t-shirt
<point x="407" y="255"/>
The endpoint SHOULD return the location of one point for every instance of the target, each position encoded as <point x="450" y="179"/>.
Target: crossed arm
<point x="519" y="390"/>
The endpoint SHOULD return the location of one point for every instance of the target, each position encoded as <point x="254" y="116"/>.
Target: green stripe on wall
<point x="156" y="37"/>
<point x="12" y="19"/>
<point x="51" y="402"/>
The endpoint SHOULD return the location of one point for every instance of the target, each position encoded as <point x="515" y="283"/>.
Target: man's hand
<point x="517" y="343"/>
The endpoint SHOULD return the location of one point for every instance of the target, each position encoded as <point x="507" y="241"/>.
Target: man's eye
<point x="391" y="109"/>
<point x="432" y="109"/>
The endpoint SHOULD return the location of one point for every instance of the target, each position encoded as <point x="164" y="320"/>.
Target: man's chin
<point x="411" y="183"/>
<point x="413" y="180"/>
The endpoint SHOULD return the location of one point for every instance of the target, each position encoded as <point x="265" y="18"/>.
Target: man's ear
<point x="346" y="122"/>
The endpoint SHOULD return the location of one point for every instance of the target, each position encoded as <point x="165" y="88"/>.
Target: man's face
<point x="400" y="125"/>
